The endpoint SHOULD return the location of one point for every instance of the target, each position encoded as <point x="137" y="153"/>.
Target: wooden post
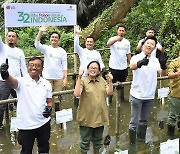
<point x="7" y="108"/>
<point x="117" y="112"/>
<point x="75" y="58"/>
<point x="76" y="100"/>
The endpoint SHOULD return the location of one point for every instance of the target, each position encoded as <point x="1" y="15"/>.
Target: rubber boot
<point x="57" y="107"/>
<point x="141" y="132"/>
<point x="107" y="140"/>
<point x="122" y="93"/>
<point x="76" y="102"/>
<point x="171" y="131"/>
<point x="178" y="125"/>
<point x="1" y="117"/>
<point x="132" y="137"/>
<point x="110" y="99"/>
<point x="132" y="141"/>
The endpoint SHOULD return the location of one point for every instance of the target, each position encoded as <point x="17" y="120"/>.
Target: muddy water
<point x="67" y="141"/>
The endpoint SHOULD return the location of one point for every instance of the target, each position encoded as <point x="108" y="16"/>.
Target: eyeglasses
<point x="36" y="65"/>
<point x="93" y="68"/>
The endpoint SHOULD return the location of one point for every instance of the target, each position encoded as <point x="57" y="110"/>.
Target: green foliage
<point x="171" y="24"/>
<point x="27" y="37"/>
<point x="67" y="41"/>
<point x="160" y="14"/>
<point x="163" y="15"/>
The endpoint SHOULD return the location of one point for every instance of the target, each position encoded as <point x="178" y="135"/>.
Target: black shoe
<point x="11" y="107"/>
<point x="171" y="131"/>
<point x="107" y="140"/>
<point x="161" y="124"/>
<point x="141" y="133"/>
<point x="57" y="107"/>
<point x="132" y="137"/>
<point x="110" y="99"/>
<point x="178" y="125"/>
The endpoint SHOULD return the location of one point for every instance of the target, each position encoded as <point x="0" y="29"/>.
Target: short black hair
<point x="54" y="32"/>
<point x="34" y="58"/>
<point x="94" y="62"/>
<point x="151" y="28"/>
<point x="121" y="25"/>
<point x="90" y="37"/>
<point x="152" y="38"/>
<point x="13" y="32"/>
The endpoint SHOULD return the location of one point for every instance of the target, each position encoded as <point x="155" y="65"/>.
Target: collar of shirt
<point x="90" y="80"/>
<point x="30" y="79"/>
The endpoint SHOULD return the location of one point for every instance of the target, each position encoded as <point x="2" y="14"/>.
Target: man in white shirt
<point x="55" y="63"/>
<point x="34" y="106"/>
<point x="145" y="68"/>
<point x="159" y="47"/>
<point x="17" y="67"/>
<point x="120" y="54"/>
<point x="87" y="54"/>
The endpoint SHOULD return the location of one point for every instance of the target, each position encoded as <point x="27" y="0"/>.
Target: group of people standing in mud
<point x="93" y="86"/>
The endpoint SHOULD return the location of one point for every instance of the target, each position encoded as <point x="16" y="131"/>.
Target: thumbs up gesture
<point x="144" y="61"/>
<point x="4" y="70"/>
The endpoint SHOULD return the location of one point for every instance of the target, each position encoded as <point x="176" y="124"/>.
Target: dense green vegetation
<point x="163" y="15"/>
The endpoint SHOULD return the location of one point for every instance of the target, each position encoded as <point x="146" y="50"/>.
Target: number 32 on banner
<point x="24" y="17"/>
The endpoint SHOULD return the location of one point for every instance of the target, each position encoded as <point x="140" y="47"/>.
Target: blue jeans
<point x="5" y="92"/>
<point x="140" y="110"/>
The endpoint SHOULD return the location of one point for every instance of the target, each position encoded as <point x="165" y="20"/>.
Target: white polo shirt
<point x="86" y="56"/>
<point x="55" y="61"/>
<point x="119" y="51"/>
<point x="32" y="97"/>
<point x="145" y="78"/>
<point x="3" y="54"/>
<point x="16" y="60"/>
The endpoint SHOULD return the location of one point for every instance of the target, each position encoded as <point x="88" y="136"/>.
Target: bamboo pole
<point x="117" y="113"/>
<point x="72" y="90"/>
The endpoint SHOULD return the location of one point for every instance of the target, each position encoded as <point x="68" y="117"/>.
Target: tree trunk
<point x="109" y="18"/>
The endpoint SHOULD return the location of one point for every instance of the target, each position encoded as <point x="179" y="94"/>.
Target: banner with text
<point x="28" y="15"/>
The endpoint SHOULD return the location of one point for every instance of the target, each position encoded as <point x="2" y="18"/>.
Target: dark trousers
<point x="91" y="134"/>
<point x="5" y="92"/>
<point x="174" y="111"/>
<point x="119" y="75"/>
<point x="26" y="139"/>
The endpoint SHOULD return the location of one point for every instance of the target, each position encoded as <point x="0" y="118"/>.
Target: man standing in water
<point x="174" y="96"/>
<point x="55" y="63"/>
<point x="34" y="106"/>
<point x="159" y="46"/>
<point x="87" y="54"/>
<point x="143" y="87"/>
<point x="17" y="66"/>
<point x="120" y="54"/>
